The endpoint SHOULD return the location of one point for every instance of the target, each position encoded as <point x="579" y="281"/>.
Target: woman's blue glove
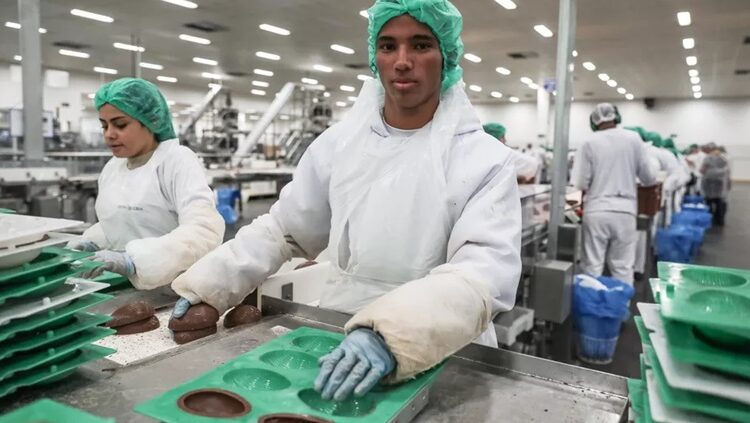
<point x="180" y="308"/>
<point x="357" y="365"/>
<point x="113" y="261"/>
<point x="82" y="245"/>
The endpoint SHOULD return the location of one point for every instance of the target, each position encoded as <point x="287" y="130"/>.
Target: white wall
<point x="725" y="122"/>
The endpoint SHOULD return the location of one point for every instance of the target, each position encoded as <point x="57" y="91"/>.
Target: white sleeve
<point x="427" y="320"/>
<point x="158" y="260"/>
<point x="298" y="222"/>
<point x="582" y="172"/>
<point x="646" y="172"/>
<point x="526" y="166"/>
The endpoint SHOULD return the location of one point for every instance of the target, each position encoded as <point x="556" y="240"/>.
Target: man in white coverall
<point x="419" y="209"/>
<point x="607" y="168"/>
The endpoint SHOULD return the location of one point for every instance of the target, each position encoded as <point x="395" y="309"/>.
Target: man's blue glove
<point x="180" y="308"/>
<point x="82" y="245"/>
<point x="356" y="365"/>
<point x="114" y="261"/>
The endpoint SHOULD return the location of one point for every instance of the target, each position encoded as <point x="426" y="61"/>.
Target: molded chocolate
<point x="214" y="403"/>
<point x="140" y="326"/>
<point x="243" y="314"/>
<point x="130" y="313"/>
<point x="185" y="336"/>
<point x="199" y="316"/>
<point x="291" y="418"/>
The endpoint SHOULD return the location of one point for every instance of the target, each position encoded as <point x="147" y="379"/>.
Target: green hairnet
<point x="441" y="16"/>
<point x="494" y="129"/>
<point x="639" y="130"/>
<point x="668" y="144"/>
<point x="655" y="138"/>
<point x="142" y="101"/>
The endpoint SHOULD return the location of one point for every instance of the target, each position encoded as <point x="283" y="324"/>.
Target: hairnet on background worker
<point x="526" y="165"/>
<point x="495" y="129"/>
<point x="419" y="214"/>
<point x="155" y="209"/>
<point x="606" y="168"/>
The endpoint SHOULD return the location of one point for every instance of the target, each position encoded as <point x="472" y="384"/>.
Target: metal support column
<point x="564" y="75"/>
<point x="31" y="65"/>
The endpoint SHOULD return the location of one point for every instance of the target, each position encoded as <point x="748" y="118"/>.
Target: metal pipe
<point x="31" y="65"/>
<point x="564" y="70"/>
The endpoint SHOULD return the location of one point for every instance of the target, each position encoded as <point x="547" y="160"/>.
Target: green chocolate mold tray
<point x="42" y="285"/>
<point x="717" y="300"/>
<point x="49" y="318"/>
<point x="642" y="330"/>
<point x="635" y="392"/>
<point x="686" y="345"/>
<point x="46" y="410"/>
<point x="115" y="281"/>
<point x="694" y="401"/>
<point x="69" y="328"/>
<point x="56" y="371"/>
<point x="31" y="359"/>
<point x="51" y="260"/>
<point x="277" y="377"/>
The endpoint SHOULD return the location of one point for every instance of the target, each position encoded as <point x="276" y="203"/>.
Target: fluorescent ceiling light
<point x="17" y="57"/>
<point x="508" y="4"/>
<point x="342" y="49"/>
<point x="347" y="88"/>
<point x="502" y="71"/>
<point x="514" y="99"/>
<point x="693" y="72"/>
<point x="151" y="66"/>
<point x="695" y="80"/>
<point x="575" y="53"/>
<point x="210" y="75"/>
<point x="475" y="88"/>
<point x="323" y="68"/>
<point x="183" y="3"/>
<point x="697" y="95"/>
<point x="309" y="81"/>
<point x="543" y="31"/>
<point x="326" y="94"/>
<point x="262" y="72"/>
<point x="589" y="66"/>
<point x="262" y="84"/>
<point x="612" y="83"/>
<point x="268" y="56"/>
<point x="171" y="103"/>
<point x="363" y="13"/>
<point x="194" y="39"/>
<point x="204" y="61"/>
<point x="16" y="25"/>
<point x="533" y="86"/>
<point x="91" y="95"/>
<point x="691" y="60"/>
<point x="257" y="92"/>
<point x="284" y="117"/>
<point x="604" y="77"/>
<point x="105" y="70"/>
<point x="526" y="80"/>
<point x="129" y="47"/>
<point x="629" y="96"/>
<point x="696" y="88"/>
<point x="472" y="58"/>
<point x="688" y="43"/>
<point x="274" y="29"/>
<point x="352" y="99"/>
<point x="622" y="90"/>
<point x="363" y="77"/>
<point x="93" y="16"/>
<point x="341" y="103"/>
<point x="163" y="78"/>
<point x="683" y="18"/>
<point x="73" y="53"/>
<point x="496" y="94"/>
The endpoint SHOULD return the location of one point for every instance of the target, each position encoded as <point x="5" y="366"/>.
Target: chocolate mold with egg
<point x="715" y="300"/>
<point x="275" y="379"/>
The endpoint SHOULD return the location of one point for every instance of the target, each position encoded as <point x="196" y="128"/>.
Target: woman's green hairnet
<point x="494" y="129"/>
<point x="655" y="138"/>
<point x="441" y="16"/>
<point x="639" y="130"/>
<point x="142" y="101"/>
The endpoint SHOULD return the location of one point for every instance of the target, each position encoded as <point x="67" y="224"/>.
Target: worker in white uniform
<point x="526" y="165"/>
<point x="607" y="168"/>
<point x="417" y="206"/>
<point x="156" y="212"/>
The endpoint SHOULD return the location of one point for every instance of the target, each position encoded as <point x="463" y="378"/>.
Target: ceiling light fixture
<point x="326" y="94"/>
<point x="526" y="80"/>
<point x="204" y="61"/>
<point x="74" y="53"/>
<point x="622" y="90"/>
<point x="695" y="80"/>
<point x="508" y="4"/>
<point x="341" y="103"/>
<point x="323" y="68"/>
<point x="267" y="56"/>
<point x="589" y="66"/>
<point x="363" y="77"/>
<point x="514" y="99"/>
<point x="575" y="53"/>
<point x="693" y="72"/>
<point x="629" y="96"/>
<point x="543" y="31"/>
<point x="170" y="79"/>
<point x="475" y="88"/>
<point x="262" y="84"/>
<point x="533" y="86"/>
<point x="604" y="77"/>
<point x="472" y="58"/>
<point x="683" y="18"/>
<point x="16" y="25"/>
<point x="93" y="16"/>
<point x="274" y="29"/>
<point x="352" y="99"/>
<point x="691" y="60"/>
<point x="257" y="92"/>
<point x="697" y="95"/>
<point x="309" y="81"/>
<point x="128" y="47"/>
<point x="688" y="43"/>
<point x="262" y="72"/>
<point x="496" y="94"/>
<point x="17" y="58"/>
<point x="612" y="83"/>
<point x="184" y="3"/>
<point x="210" y="75"/>
<point x="502" y="71"/>
<point x="151" y="66"/>
<point x="696" y="88"/>
<point x="105" y="70"/>
<point x="364" y="14"/>
<point x="342" y="49"/>
<point x="194" y="39"/>
<point x="347" y="88"/>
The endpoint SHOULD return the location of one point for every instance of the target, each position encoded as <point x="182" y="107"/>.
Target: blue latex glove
<point x="356" y="365"/>
<point x="114" y="261"/>
<point x="82" y="245"/>
<point x="180" y="308"/>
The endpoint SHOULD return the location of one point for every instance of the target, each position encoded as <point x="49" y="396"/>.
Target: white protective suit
<point x="162" y="213"/>
<point x="607" y="167"/>
<point x="527" y="166"/>
<point x="424" y="231"/>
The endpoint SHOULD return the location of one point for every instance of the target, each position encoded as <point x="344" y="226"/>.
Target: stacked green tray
<point x="51" y="260"/>
<point x="116" y="281"/>
<point x="277" y="377"/>
<point x="48" y="410"/>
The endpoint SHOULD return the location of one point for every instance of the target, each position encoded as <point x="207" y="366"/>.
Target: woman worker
<point x="156" y="212"/>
